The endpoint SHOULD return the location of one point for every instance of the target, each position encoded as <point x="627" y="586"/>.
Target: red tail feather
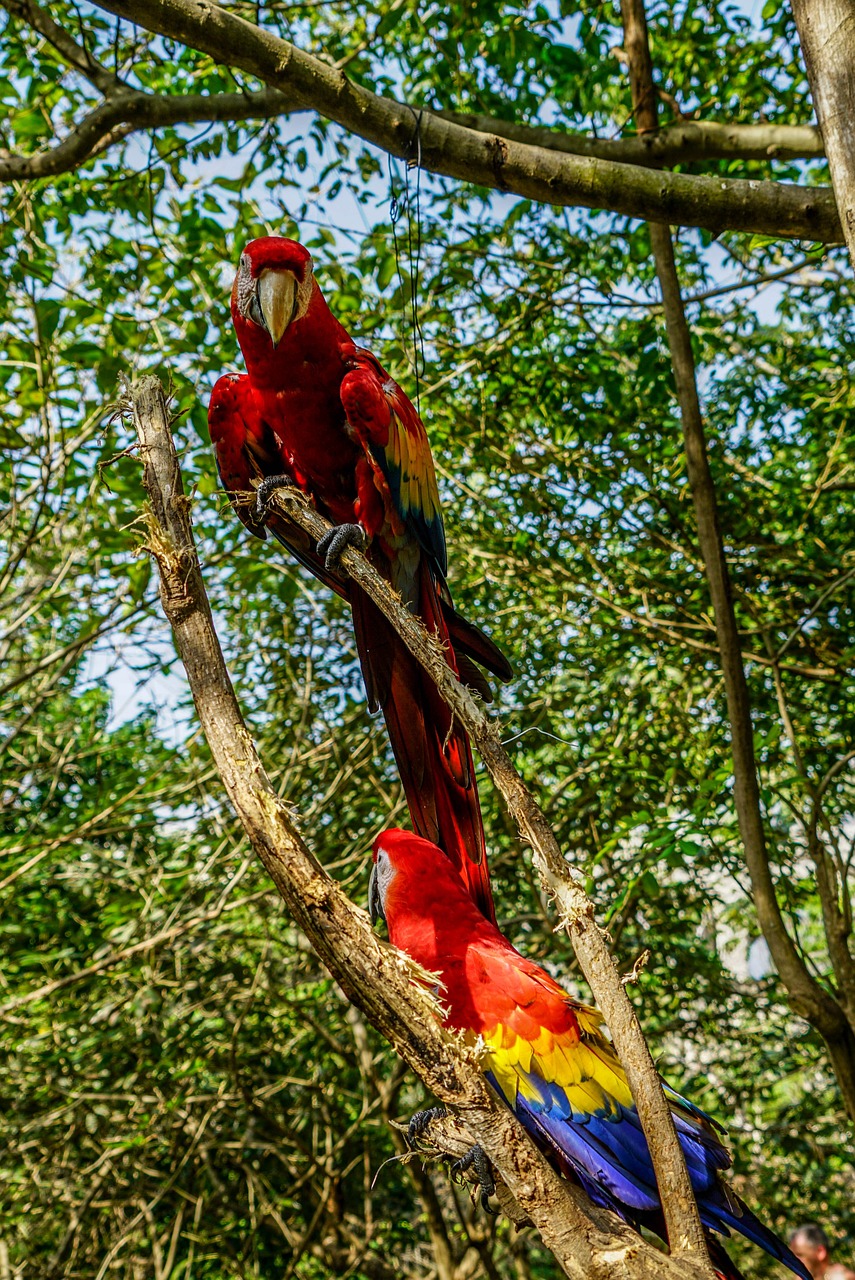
<point x="433" y="754"/>
<point x="723" y="1265"/>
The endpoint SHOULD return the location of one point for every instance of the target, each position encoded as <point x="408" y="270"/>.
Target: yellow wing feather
<point x="588" y="1074"/>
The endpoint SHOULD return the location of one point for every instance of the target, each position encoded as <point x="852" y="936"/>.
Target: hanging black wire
<point x="414" y="250"/>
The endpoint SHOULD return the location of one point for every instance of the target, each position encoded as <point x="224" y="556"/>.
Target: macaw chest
<point x="315" y="445"/>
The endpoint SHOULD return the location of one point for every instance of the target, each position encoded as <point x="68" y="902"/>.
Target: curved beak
<point x="375" y="901"/>
<point x="277" y="298"/>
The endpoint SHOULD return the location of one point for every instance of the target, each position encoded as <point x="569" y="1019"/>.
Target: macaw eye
<point x="255" y="312"/>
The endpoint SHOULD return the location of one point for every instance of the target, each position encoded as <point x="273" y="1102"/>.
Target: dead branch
<point x="575" y="909"/>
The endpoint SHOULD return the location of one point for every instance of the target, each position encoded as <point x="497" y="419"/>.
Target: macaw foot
<point x="265" y="491"/>
<point x="333" y="543"/>
<point x="421" y="1122"/>
<point x="477" y="1159"/>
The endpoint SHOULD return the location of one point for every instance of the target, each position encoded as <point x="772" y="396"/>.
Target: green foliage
<point x="204" y="1104"/>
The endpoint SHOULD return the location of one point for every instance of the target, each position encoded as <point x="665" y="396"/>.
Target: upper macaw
<point x="319" y="412"/>
<point x="546" y="1055"/>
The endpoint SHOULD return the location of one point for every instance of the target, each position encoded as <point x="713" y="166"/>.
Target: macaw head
<point x="273" y="288"/>
<point x="401" y="859"/>
<point x="412" y="878"/>
<point x="416" y="889"/>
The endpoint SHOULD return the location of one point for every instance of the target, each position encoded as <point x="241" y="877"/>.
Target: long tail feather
<point x="433" y="754"/>
<point x="471" y="640"/>
<point x="723" y="1265"/>
<point x="748" y="1225"/>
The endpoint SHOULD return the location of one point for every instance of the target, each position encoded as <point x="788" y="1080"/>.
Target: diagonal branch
<point x="718" y="204"/>
<point x="576" y="910"/>
<point x="589" y="1243"/>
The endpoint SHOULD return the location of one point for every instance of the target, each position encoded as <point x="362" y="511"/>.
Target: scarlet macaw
<point x="316" y="411"/>
<point x="545" y="1053"/>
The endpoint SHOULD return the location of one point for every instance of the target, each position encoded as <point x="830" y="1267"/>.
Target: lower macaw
<point x="316" y="411"/>
<point x="546" y="1055"/>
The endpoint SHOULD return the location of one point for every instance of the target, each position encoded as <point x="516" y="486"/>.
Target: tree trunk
<point x="827" y="34"/>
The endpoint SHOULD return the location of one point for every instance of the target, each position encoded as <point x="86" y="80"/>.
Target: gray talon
<point x="333" y="543"/>
<point x="477" y="1158"/>
<point x="266" y="489"/>
<point x="422" y="1120"/>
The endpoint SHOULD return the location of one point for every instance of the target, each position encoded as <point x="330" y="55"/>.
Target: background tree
<point x="197" y="1099"/>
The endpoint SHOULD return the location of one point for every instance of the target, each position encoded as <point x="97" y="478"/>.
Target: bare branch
<point x="382" y="982"/>
<point x="718" y="204"/>
<point x="130" y="111"/>
<point x="68" y="48"/>
<point x="576" y="911"/>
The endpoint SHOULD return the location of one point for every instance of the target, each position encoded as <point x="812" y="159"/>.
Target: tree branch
<point x="383" y="983"/>
<point x="129" y="111"/>
<point x="807" y="996"/>
<point x="576" y="911"/>
<point x="717" y="204"/>
<point x="827" y="35"/>
<point x="68" y="48"/>
<point x="675" y="144"/>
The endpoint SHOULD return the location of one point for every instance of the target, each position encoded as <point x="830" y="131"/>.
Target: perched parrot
<point x="316" y="411"/>
<point x="546" y="1055"/>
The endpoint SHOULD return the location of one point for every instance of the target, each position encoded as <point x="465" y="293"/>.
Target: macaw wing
<point x="243" y="454"/>
<point x="246" y="451"/>
<point x="396" y="444"/>
<point x="548" y="1057"/>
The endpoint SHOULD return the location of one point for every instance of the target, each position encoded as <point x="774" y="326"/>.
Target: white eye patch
<point x="383" y="873"/>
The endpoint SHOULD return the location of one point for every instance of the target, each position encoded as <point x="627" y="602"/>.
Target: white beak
<point x="277" y="297"/>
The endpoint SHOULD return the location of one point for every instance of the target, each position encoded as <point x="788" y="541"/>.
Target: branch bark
<point x="827" y="35"/>
<point x="807" y="996"/>
<point x="575" y="908"/>
<point x="380" y="981"/>
<point x="717" y="204"/>
<point x="675" y="144"/>
<point x="127" y="111"/>
<point x="576" y="911"/>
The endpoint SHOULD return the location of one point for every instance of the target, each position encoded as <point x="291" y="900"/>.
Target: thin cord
<point x="414" y="249"/>
<point x="394" y="216"/>
<point x="415" y="162"/>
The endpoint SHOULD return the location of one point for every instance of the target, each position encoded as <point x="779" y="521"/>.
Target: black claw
<point x="334" y="542"/>
<point x="265" y="490"/>
<point x="477" y="1159"/>
<point x="422" y="1120"/>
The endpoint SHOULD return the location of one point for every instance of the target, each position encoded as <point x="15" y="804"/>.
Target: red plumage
<point x="321" y="411"/>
